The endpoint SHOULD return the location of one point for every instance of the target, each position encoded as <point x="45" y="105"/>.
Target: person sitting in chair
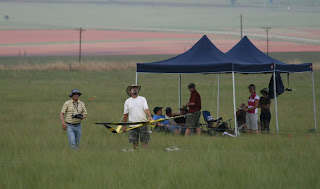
<point x="241" y="118"/>
<point x="182" y="120"/>
<point x="173" y="127"/>
<point x="160" y="126"/>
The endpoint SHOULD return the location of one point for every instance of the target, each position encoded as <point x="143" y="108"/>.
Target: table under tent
<point x="204" y="57"/>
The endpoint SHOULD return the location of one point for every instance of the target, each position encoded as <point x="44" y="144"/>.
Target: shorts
<point x="193" y="120"/>
<point x="252" y="121"/>
<point x="142" y="131"/>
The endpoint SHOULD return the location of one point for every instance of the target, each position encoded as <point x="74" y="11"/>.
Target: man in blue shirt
<point x="161" y="126"/>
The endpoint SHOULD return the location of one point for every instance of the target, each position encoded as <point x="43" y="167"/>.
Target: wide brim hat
<point x="266" y="90"/>
<point x="130" y="87"/>
<point x="75" y="91"/>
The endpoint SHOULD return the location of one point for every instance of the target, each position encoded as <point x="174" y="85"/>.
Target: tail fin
<point x="110" y="128"/>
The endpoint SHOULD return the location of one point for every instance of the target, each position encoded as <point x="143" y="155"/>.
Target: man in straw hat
<point x="265" y="115"/>
<point x="73" y="111"/>
<point x="136" y="109"/>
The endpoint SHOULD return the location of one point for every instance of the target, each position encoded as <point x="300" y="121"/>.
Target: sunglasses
<point x="75" y="94"/>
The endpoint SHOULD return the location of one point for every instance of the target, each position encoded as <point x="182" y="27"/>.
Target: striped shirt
<point x="70" y="108"/>
<point x="251" y="103"/>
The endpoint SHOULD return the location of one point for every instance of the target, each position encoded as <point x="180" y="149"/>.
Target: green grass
<point x="35" y="152"/>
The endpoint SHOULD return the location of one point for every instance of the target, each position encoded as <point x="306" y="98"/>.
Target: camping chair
<point x="212" y="129"/>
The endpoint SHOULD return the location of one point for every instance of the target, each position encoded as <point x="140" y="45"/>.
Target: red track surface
<point x="95" y="42"/>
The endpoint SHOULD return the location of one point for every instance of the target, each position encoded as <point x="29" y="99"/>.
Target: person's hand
<point x="64" y="126"/>
<point x="150" y="118"/>
<point x="83" y="116"/>
<point x="124" y="129"/>
<point x="245" y="109"/>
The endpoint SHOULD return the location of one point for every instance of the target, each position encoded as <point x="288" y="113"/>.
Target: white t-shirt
<point x="136" y="107"/>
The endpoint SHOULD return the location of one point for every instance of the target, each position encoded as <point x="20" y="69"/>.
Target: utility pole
<point x="80" y="31"/>
<point x="266" y="29"/>
<point x="241" y="25"/>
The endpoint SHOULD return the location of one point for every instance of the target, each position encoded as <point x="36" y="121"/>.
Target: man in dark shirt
<point x="265" y="115"/>
<point x="194" y="105"/>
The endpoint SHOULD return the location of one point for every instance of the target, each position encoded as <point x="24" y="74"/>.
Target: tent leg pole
<point x="179" y="90"/>
<point x="314" y="104"/>
<point x="234" y="106"/>
<point x="275" y="99"/>
<point x="136" y="78"/>
<point x="218" y="96"/>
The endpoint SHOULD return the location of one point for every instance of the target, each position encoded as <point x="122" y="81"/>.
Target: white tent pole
<point x="218" y="96"/>
<point x="136" y="78"/>
<point x="314" y="104"/>
<point x="234" y="106"/>
<point x="275" y="96"/>
<point x="179" y="90"/>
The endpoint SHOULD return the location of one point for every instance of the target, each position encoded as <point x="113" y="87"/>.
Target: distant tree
<point x="6" y="17"/>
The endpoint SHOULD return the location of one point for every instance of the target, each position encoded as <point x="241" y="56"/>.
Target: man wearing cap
<point x="136" y="109"/>
<point x="160" y="126"/>
<point x="194" y="105"/>
<point x="265" y="115"/>
<point x="252" y="110"/>
<point x="73" y="111"/>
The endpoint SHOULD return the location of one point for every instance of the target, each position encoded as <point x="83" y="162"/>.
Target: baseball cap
<point x="156" y="109"/>
<point x="191" y="85"/>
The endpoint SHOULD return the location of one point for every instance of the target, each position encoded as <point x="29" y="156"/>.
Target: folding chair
<point x="212" y="129"/>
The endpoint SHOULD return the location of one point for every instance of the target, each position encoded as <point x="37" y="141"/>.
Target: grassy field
<point x="35" y="152"/>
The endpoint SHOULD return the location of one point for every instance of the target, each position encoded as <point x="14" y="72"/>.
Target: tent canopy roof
<point x="205" y="57"/>
<point x="246" y="51"/>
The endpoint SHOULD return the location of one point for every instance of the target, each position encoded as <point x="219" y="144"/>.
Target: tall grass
<point x="120" y="62"/>
<point x="35" y="152"/>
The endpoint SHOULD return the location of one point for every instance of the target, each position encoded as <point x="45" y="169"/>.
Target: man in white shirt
<point x="136" y="109"/>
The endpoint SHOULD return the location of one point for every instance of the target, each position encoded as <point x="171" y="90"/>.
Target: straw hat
<point x="130" y="87"/>
<point x="266" y="90"/>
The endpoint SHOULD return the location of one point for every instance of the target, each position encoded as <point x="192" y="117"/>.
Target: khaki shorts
<point x="144" y="135"/>
<point x="252" y="121"/>
<point x="193" y="120"/>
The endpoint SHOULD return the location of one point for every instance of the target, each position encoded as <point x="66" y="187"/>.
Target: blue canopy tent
<point x="205" y="57"/>
<point x="246" y="51"/>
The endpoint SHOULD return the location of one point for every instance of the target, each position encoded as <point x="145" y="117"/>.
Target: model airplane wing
<point x="137" y="124"/>
<point x="124" y="123"/>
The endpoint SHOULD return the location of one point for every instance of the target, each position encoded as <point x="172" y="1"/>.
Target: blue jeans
<point x="74" y="135"/>
<point x="173" y="128"/>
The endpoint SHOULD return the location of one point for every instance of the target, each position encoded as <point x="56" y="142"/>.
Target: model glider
<point x="135" y="124"/>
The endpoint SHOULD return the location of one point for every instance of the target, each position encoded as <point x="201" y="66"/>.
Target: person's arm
<point x="125" y="119"/>
<point x="256" y="104"/>
<point x="148" y="114"/>
<point x="84" y="112"/>
<point x="190" y="104"/>
<point x="64" y="125"/>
